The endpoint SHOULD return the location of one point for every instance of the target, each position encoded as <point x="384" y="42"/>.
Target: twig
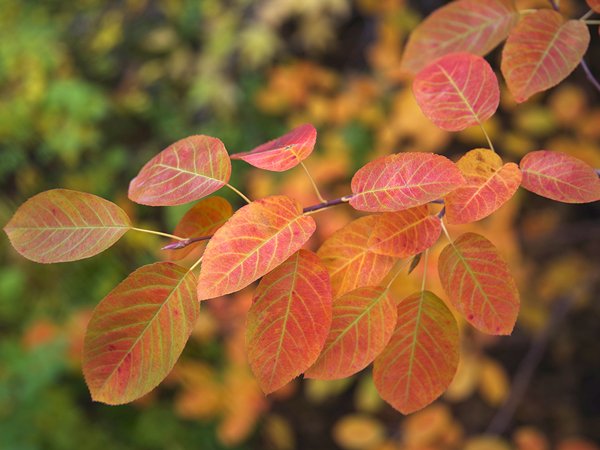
<point x="590" y="75"/>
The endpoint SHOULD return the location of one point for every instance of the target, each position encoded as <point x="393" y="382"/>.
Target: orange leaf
<point x="257" y="238"/>
<point x="594" y="4"/>
<point x="138" y="331"/>
<point x="420" y="360"/>
<point x="62" y="225"/>
<point x="289" y="320"/>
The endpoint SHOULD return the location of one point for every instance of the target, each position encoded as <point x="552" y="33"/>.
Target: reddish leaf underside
<point x="185" y="171"/>
<point x="594" y="4"/>
<point x="363" y="321"/>
<point x="138" y="331"/>
<point x="457" y="91"/>
<point x="541" y="51"/>
<point x="479" y="284"/>
<point x="402" y="181"/>
<point x="257" y="238"/>
<point x="560" y="177"/>
<point x="289" y="320"/>
<point x="284" y="152"/>
<point x="62" y="225"/>
<point x="421" y="358"/>
<point x="474" y="26"/>
<point x="488" y="185"/>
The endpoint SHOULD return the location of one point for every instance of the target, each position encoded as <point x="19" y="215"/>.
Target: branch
<point x="590" y="75"/>
<point x="554" y="5"/>
<point x="319" y="206"/>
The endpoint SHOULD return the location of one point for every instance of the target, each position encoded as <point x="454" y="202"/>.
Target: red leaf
<point x="257" y="238"/>
<point x="62" y="225"/>
<point x="189" y="169"/>
<point x="489" y="184"/>
<point x="402" y="181"/>
<point x="284" y="152"/>
<point x="560" y="177"/>
<point x="542" y="51"/>
<point x="363" y="321"/>
<point x="138" y="331"/>
<point x="289" y="320"/>
<point x="474" y="26"/>
<point x="479" y="284"/>
<point x="457" y="91"/>
<point x="594" y="4"/>
<point x="420" y="361"/>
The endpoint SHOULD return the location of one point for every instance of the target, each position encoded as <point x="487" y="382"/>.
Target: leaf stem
<point x="590" y="76"/>
<point x="196" y="264"/>
<point x="587" y="14"/>
<point x="527" y="11"/>
<point x="185" y="242"/>
<point x="158" y="233"/>
<point x="246" y="199"/>
<point x="424" y="271"/>
<point x="487" y="136"/>
<point x="555" y="4"/>
<point x="328" y="204"/>
<point x="446" y="231"/>
<point x="314" y="185"/>
<point x="592" y="22"/>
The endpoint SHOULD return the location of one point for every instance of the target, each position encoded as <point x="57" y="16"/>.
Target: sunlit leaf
<point x="257" y="238"/>
<point x="185" y="171"/>
<point x="363" y="321"/>
<point x="348" y="256"/>
<point x="420" y="360"/>
<point x="541" y="51"/>
<point x="489" y="184"/>
<point x="402" y="181"/>
<point x="479" y="284"/>
<point x="284" y="152"/>
<point x="138" y="331"/>
<point x="457" y="91"/>
<point x="560" y="177"/>
<point x="62" y="225"/>
<point x="289" y="320"/>
<point x="594" y="4"/>
<point x="474" y="26"/>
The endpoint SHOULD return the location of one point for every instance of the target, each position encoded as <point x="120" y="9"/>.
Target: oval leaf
<point x="474" y="26"/>
<point x="594" y="4"/>
<point x="188" y="170"/>
<point x="560" y="177"/>
<point x="402" y="181"/>
<point x="257" y="238"/>
<point x="420" y="361"/>
<point x="289" y="320"/>
<point x="363" y="322"/>
<point x="542" y="51"/>
<point x="138" y="331"/>
<point x="62" y="225"/>
<point x="349" y="258"/>
<point x="284" y="152"/>
<point x="479" y="284"/>
<point x="457" y="91"/>
<point x="488" y="185"/>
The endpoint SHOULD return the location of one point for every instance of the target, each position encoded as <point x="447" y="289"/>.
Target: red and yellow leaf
<point x="138" y="331"/>
<point x="284" y="152"/>
<point x="257" y="238"/>
<point x="402" y="181"/>
<point x="348" y="256"/>
<point x="363" y="321"/>
<point x="488" y="185"/>
<point x="474" y="26"/>
<point x="62" y="225"/>
<point x="457" y="91"/>
<point x="560" y="177"/>
<point x="421" y="358"/>
<point x="594" y="4"/>
<point x="289" y="320"/>
<point x="541" y="51"/>
<point x="479" y="284"/>
<point x="185" y="171"/>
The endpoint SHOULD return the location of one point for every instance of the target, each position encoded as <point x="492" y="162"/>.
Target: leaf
<point x="348" y="256"/>
<point x="489" y="184"/>
<point x="289" y="320"/>
<point x="479" y="284"/>
<point x="257" y="238"/>
<point x="560" y="177"/>
<point x="474" y="26"/>
<point x="457" y="91"/>
<point x="363" y="321"/>
<point x="421" y="358"/>
<point x="284" y="152"/>
<point x="402" y="181"/>
<point x="62" y="225"/>
<point x="185" y="171"/>
<point x="594" y="4"/>
<point x="404" y="233"/>
<point x="541" y="51"/>
<point x="138" y="331"/>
